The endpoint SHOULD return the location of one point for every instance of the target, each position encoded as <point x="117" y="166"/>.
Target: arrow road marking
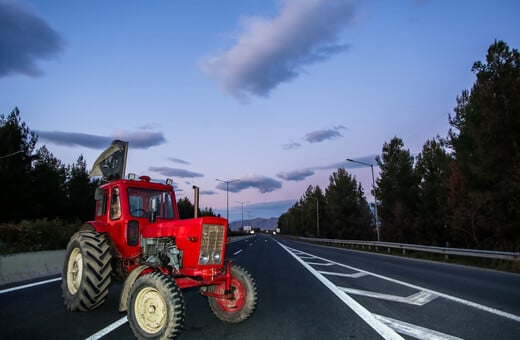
<point x="354" y="276"/>
<point x="415" y="331"/>
<point x="418" y="299"/>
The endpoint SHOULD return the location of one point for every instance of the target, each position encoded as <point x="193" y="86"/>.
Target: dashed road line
<point x="237" y="252"/>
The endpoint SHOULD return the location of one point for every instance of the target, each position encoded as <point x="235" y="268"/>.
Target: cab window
<point x="115" y="204"/>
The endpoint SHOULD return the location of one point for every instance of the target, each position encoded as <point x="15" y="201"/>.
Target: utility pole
<point x="317" y="217"/>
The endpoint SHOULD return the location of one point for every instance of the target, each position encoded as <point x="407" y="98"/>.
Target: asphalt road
<point x="304" y="292"/>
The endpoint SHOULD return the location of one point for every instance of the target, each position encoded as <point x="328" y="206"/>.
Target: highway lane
<point x="296" y="301"/>
<point x="422" y="296"/>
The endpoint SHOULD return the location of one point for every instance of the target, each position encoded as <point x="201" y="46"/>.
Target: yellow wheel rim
<point x="150" y="310"/>
<point x="74" y="270"/>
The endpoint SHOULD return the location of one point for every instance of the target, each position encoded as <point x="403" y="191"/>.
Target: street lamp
<point x="373" y="188"/>
<point x="242" y="212"/>
<point x="317" y="218"/>
<point x="227" y="194"/>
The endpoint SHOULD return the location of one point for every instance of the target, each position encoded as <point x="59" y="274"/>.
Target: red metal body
<point x="132" y="224"/>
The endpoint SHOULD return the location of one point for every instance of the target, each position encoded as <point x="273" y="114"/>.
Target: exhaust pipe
<point x="196" y="202"/>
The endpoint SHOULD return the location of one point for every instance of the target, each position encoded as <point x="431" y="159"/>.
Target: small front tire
<point x="243" y="302"/>
<point x="156" y="308"/>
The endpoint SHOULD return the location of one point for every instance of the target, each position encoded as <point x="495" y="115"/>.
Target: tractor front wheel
<point x="86" y="271"/>
<point x="243" y="301"/>
<point x="156" y="307"/>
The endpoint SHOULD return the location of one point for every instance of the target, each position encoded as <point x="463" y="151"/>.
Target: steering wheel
<point x="139" y="212"/>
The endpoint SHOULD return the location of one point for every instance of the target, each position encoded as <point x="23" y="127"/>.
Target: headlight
<point x="215" y="257"/>
<point x="204" y="258"/>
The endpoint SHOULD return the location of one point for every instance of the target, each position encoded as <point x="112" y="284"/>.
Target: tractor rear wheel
<point x="156" y="308"/>
<point x="243" y="300"/>
<point x="86" y="271"/>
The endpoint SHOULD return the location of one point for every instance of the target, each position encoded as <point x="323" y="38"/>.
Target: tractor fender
<point x="134" y="274"/>
<point x="100" y="227"/>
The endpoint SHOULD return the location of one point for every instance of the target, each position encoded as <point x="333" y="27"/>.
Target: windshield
<point x="142" y="201"/>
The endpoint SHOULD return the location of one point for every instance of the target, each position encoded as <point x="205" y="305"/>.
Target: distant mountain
<point x="262" y="223"/>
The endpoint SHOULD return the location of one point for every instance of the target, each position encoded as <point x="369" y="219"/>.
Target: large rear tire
<point x="242" y="304"/>
<point x="86" y="271"/>
<point x="156" y="308"/>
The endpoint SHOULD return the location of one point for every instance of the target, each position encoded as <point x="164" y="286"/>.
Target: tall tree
<point x="432" y="207"/>
<point x="347" y="211"/>
<point x="397" y="191"/>
<point x="47" y="186"/>
<point x="80" y="192"/>
<point x="486" y="144"/>
<point x="17" y="143"/>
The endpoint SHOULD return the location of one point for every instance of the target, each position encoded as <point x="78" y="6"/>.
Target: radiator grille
<point x="211" y="245"/>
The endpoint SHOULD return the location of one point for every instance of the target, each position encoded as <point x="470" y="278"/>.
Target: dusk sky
<point x="274" y="93"/>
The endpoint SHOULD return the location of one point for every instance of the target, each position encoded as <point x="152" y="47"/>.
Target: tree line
<point x="37" y="185"/>
<point x="461" y="190"/>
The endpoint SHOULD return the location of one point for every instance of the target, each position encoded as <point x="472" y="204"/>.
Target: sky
<point x="275" y="94"/>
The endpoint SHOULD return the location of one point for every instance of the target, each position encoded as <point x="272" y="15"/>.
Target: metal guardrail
<point x="428" y="249"/>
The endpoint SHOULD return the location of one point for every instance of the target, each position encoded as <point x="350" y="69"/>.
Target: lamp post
<point x="373" y="188"/>
<point x="317" y="218"/>
<point x="227" y="194"/>
<point x="242" y="212"/>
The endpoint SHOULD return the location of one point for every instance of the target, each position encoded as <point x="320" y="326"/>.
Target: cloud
<point x="297" y="175"/>
<point x="137" y="140"/>
<point x="173" y="172"/>
<point x="321" y="135"/>
<point x="208" y="192"/>
<point x="24" y="39"/>
<point x="262" y="183"/>
<point x="290" y="146"/>
<point x="269" y="51"/>
<point x="177" y="160"/>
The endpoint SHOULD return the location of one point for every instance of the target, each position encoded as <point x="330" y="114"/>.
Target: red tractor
<point x="138" y="237"/>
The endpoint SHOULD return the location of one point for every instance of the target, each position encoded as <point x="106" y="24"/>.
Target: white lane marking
<point x="8" y="290"/>
<point x="238" y="252"/>
<point x="354" y="275"/>
<point x="417" y="299"/>
<point x="414" y="330"/>
<point x="385" y="331"/>
<point x="320" y="263"/>
<point x="446" y="296"/>
<point x="108" y="329"/>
